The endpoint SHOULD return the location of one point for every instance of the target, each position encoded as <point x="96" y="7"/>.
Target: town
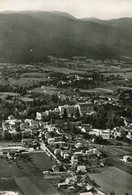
<point x="69" y="127"/>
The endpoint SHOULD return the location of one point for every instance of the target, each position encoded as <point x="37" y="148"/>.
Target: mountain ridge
<point x="60" y="34"/>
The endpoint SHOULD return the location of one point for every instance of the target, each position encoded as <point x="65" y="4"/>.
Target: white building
<point x="70" y="109"/>
<point x="105" y="134"/>
<point x="127" y="158"/>
<point x="81" y="168"/>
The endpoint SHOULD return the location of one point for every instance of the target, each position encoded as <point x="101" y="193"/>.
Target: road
<point x="48" y="152"/>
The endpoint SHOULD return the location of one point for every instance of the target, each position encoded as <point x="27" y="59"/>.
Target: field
<point x="64" y="70"/>
<point x="34" y="75"/>
<point x="125" y="75"/>
<point x="97" y="90"/>
<point x="35" y="186"/>
<point x="34" y="164"/>
<point x="3" y="95"/>
<point x="113" y="179"/>
<point x="25" y="175"/>
<point x="9" y="184"/>
<point x="26" y="81"/>
<point x="46" y="90"/>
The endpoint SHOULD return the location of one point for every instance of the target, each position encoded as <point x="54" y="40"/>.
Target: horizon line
<point x="51" y="11"/>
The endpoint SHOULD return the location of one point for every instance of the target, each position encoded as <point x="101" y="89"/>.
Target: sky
<point x="103" y="9"/>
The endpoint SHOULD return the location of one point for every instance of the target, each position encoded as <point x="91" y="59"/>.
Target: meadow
<point x="113" y="179"/>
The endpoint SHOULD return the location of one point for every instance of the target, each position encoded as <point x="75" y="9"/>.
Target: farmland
<point x="64" y="70"/>
<point x="113" y="179"/>
<point x="35" y="185"/>
<point x="32" y="77"/>
<point x="3" y="95"/>
<point x="26" y="81"/>
<point x="25" y="175"/>
<point x="124" y="74"/>
<point x="9" y="184"/>
<point x="45" y="89"/>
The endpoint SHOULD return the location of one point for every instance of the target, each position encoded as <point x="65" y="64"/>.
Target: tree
<point x="64" y="114"/>
<point x="112" y="193"/>
<point x="55" y="98"/>
<point x="77" y="114"/>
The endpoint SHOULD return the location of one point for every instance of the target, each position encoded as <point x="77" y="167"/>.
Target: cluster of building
<point x="59" y="111"/>
<point x="74" y="157"/>
<point x="18" y="129"/>
<point x="73" y="183"/>
<point x="126" y="131"/>
<point x="74" y="154"/>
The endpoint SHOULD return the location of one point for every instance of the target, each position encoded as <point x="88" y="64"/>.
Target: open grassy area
<point x="41" y="161"/>
<point x="26" y="81"/>
<point x="35" y="186"/>
<point x="9" y="184"/>
<point x="113" y="179"/>
<point x="46" y="90"/>
<point x="25" y="175"/>
<point x="64" y="70"/>
<point x="34" y="75"/>
<point x="125" y="75"/>
<point x="3" y="95"/>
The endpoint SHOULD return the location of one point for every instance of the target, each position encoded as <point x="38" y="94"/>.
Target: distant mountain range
<point x="30" y="36"/>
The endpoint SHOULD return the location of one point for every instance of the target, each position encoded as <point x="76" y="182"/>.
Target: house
<point x="71" y="180"/>
<point x="61" y="144"/>
<point x="82" y="129"/>
<point x="42" y="115"/>
<point x="27" y="141"/>
<point x="87" y="127"/>
<point x="105" y="134"/>
<point x="55" y="113"/>
<point x="72" y="109"/>
<point x="127" y="158"/>
<point x="50" y="128"/>
<point x="117" y="134"/>
<point x="86" y="107"/>
<point x="64" y="154"/>
<point x="11" y="117"/>
<point x="10" y="127"/>
<point x="47" y="135"/>
<point x="38" y="116"/>
<point x="95" y="151"/>
<point x="57" y="151"/>
<point x="32" y="123"/>
<point x="63" y="184"/>
<point x="89" y="187"/>
<point x="55" y="168"/>
<point x="5" y="126"/>
<point x="50" y="141"/>
<point x="81" y="168"/>
<point x="78" y="145"/>
<point x="58" y="138"/>
<point x="27" y="133"/>
<point x="74" y="160"/>
<point x="129" y="136"/>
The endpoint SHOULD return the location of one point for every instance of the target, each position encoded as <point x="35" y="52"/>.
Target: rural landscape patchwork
<point x="65" y="104"/>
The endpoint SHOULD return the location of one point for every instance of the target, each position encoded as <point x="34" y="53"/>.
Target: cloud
<point x="79" y="8"/>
